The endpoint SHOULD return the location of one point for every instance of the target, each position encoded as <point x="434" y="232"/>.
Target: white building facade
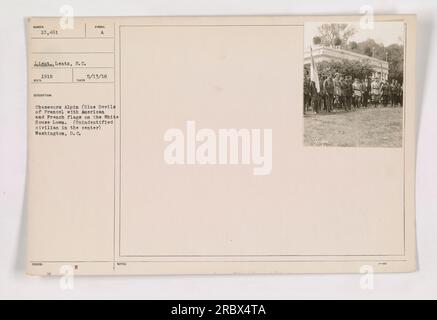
<point x="320" y="53"/>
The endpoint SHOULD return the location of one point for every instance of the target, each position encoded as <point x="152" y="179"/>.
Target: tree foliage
<point x="394" y="54"/>
<point x="356" y="69"/>
<point x="335" y="34"/>
<point x="395" y="59"/>
<point x="317" y="40"/>
<point x="338" y="35"/>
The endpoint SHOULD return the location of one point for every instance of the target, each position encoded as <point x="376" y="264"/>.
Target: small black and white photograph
<point x="353" y="84"/>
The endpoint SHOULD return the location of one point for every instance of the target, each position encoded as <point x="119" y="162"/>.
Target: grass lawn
<point x="380" y="127"/>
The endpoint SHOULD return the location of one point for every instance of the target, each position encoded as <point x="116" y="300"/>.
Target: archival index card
<point x="217" y="145"/>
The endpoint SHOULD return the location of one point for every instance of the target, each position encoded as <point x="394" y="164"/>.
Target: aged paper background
<point x="107" y="203"/>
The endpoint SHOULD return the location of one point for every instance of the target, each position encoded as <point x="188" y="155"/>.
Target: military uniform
<point x="399" y="94"/>
<point x="357" y="87"/>
<point x="375" y="92"/>
<point x="337" y="91"/>
<point x="328" y="86"/>
<point x="385" y="93"/>
<point x="348" y="93"/>
<point x="315" y="98"/>
<point x="393" y="98"/>
<point x="306" y="94"/>
<point x="366" y="93"/>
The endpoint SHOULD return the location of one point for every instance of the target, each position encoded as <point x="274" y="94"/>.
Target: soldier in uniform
<point x="385" y="93"/>
<point x="393" y="99"/>
<point x="357" y="94"/>
<point x="337" y="90"/>
<point x="343" y="84"/>
<point x="306" y="93"/>
<point x="348" y="92"/>
<point x="399" y="94"/>
<point x="322" y="94"/>
<point x="315" y="98"/>
<point x="375" y="92"/>
<point x="366" y="92"/>
<point x="328" y="87"/>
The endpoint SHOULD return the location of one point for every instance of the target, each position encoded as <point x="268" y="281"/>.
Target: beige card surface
<point x="215" y="145"/>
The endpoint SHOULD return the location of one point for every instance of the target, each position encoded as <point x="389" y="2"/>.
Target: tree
<point x="337" y="42"/>
<point x="368" y="51"/>
<point x="338" y="35"/>
<point x="356" y="69"/>
<point x="394" y="54"/>
<point x="353" y="45"/>
<point x="335" y="34"/>
<point x="369" y="46"/>
<point x="317" y="40"/>
<point x="395" y="59"/>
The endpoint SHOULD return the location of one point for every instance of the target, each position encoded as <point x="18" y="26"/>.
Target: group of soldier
<point x="343" y="93"/>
